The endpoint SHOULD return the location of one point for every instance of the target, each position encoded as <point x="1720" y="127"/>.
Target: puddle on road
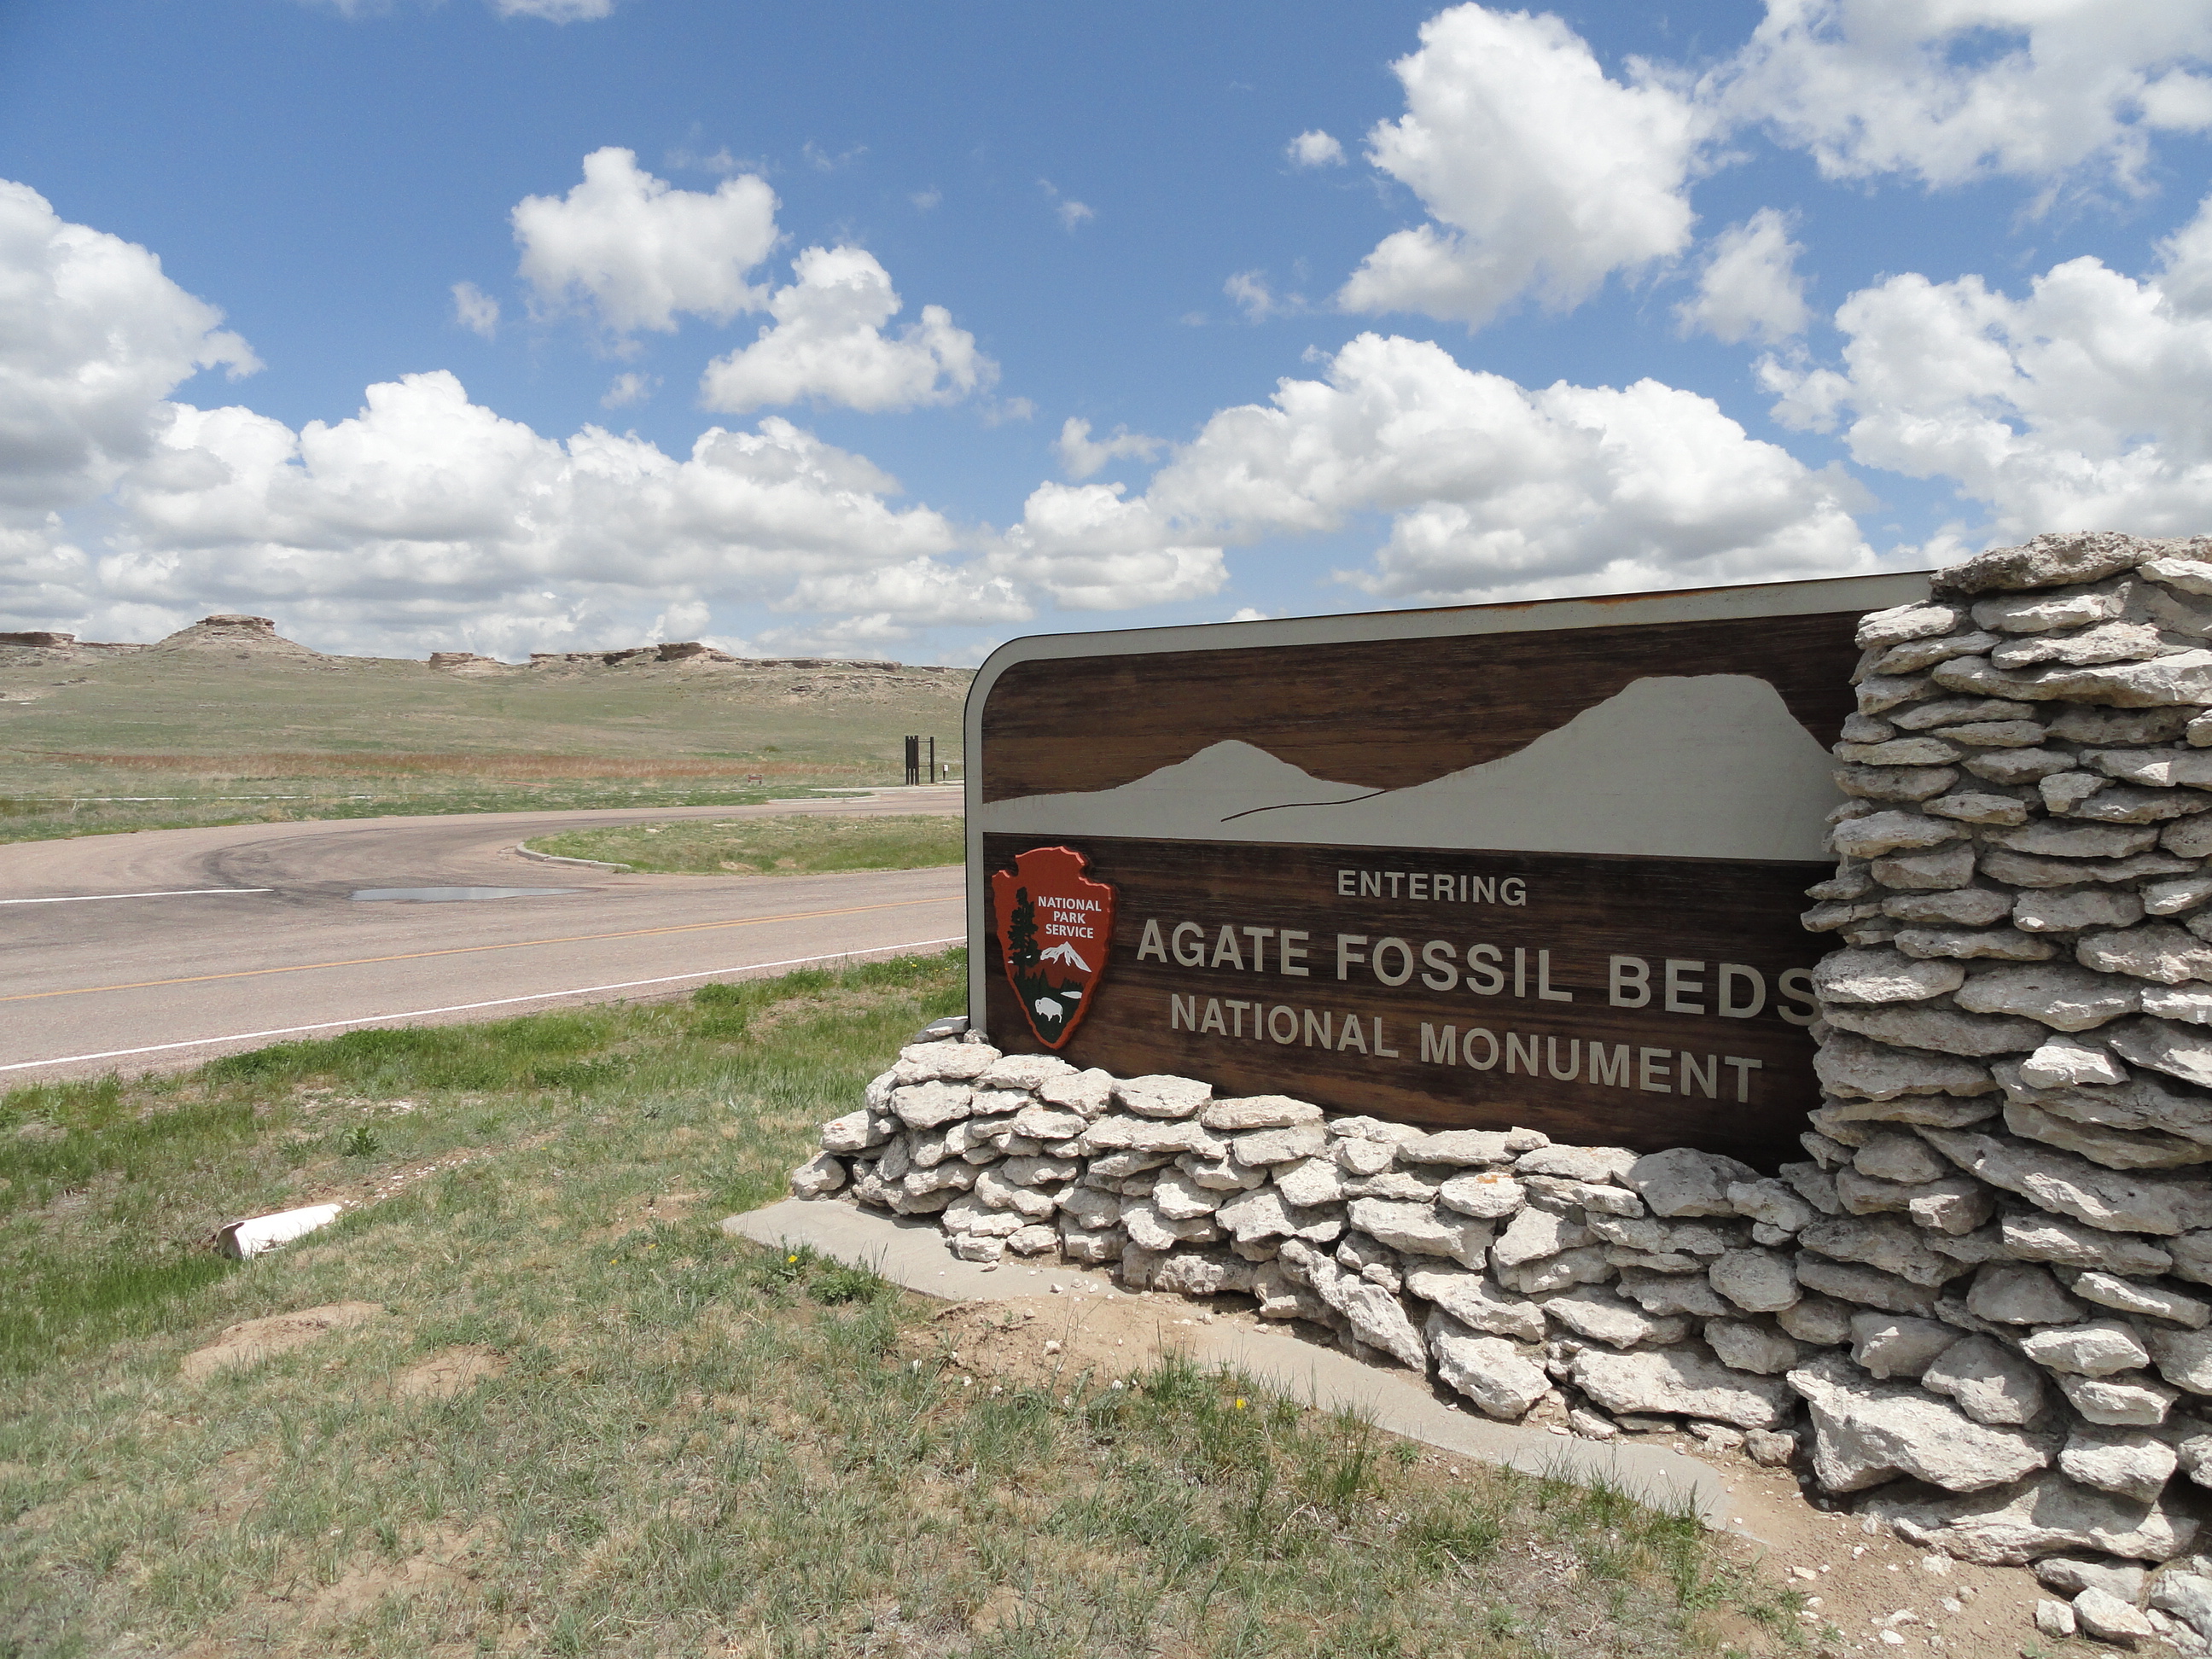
<point x="451" y="894"/>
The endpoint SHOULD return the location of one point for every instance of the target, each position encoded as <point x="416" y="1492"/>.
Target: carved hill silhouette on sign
<point x="1711" y="766"/>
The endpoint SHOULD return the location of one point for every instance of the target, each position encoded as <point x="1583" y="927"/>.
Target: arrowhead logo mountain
<point x="1054" y="926"/>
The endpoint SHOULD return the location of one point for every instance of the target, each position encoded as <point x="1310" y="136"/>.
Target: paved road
<point x="167" y="947"/>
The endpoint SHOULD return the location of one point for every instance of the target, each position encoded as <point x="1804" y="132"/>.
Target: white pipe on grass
<point x="247" y="1239"/>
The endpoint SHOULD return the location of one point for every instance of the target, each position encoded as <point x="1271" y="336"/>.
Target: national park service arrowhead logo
<point x="1054" y="926"/>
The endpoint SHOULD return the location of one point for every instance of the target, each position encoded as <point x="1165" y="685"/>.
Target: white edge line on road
<point x="466" y="1007"/>
<point x="171" y="892"/>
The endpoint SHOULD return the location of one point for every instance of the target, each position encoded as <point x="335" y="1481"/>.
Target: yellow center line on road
<point x="470" y="949"/>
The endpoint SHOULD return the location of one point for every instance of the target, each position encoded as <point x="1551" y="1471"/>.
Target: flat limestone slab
<point x="913" y="1253"/>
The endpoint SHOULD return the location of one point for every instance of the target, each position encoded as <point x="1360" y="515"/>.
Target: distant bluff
<point x="255" y="639"/>
<point x="223" y="634"/>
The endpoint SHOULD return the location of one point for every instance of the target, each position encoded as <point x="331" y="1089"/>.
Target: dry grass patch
<point x="448" y="1372"/>
<point x="798" y="845"/>
<point x="539" y="768"/>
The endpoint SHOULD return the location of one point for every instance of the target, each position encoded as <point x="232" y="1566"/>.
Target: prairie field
<point x="159" y="738"/>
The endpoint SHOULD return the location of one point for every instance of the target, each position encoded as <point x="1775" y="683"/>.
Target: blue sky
<point x="555" y="323"/>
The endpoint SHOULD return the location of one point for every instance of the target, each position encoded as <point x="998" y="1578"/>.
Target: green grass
<point x="682" y="1444"/>
<point x="798" y="845"/>
<point x="216" y="741"/>
<point x="60" y="818"/>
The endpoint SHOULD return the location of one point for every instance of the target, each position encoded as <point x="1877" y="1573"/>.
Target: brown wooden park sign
<point x="1532" y="864"/>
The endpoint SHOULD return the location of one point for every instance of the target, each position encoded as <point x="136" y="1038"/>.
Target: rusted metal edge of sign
<point x="1540" y="860"/>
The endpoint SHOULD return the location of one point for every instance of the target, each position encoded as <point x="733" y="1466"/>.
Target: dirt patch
<point x="390" y="1181"/>
<point x="255" y="1340"/>
<point x="1003" y="1608"/>
<point x="671" y="1207"/>
<point x="443" y="1559"/>
<point x="1050" y="1340"/>
<point x="818" y="1006"/>
<point x="440" y="1561"/>
<point x="662" y="1208"/>
<point x="1866" y="1583"/>
<point x="1857" y="1585"/>
<point x="448" y="1372"/>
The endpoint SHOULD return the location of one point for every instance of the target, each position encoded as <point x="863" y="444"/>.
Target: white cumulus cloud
<point x="920" y="593"/>
<point x="93" y="339"/>
<point x="1491" y="490"/>
<point x="1542" y="176"/>
<point x="476" y="310"/>
<point x="1540" y="173"/>
<point x="1250" y="291"/>
<point x="93" y="336"/>
<point x="682" y="620"/>
<point x="1962" y="89"/>
<point x="1749" y="288"/>
<point x="426" y="511"/>
<point x="424" y="519"/>
<point x="555" y="11"/>
<point x="1071" y="212"/>
<point x="641" y="253"/>
<point x="1314" y="148"/>
<point x="2085" y="402"/>
<point x="1081" y="456"/>
<point x="552" y="11"/>
<point x="863" y="637"/>
<point x="1092" y="550"/>
<point x="827" y="346"/>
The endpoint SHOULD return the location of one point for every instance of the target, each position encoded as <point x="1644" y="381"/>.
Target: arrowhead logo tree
<point x="1054" y="926"/>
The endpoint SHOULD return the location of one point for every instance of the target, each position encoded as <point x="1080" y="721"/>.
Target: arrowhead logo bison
<point x="1054" y="926"/>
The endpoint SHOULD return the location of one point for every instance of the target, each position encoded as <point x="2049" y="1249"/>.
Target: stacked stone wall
<point x="2016" y="1036"/>
<point x="1977" y="1311"/>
